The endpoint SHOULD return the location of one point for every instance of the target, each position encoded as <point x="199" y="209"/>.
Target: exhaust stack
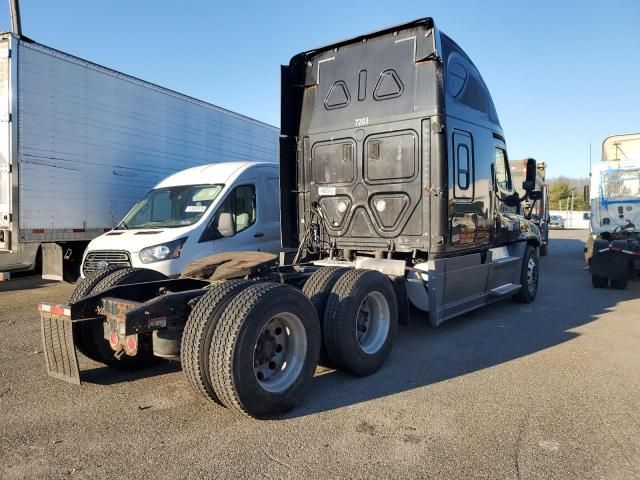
<point x="14" y="10"/>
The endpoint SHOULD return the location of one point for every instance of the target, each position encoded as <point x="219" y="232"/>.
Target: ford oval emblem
<point x="102" y="264"/>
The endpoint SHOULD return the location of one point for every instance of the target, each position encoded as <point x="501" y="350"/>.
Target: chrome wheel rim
<point x="279" y="353"/>
<point x="372" y="322"/>
<point x="532" y="275"/>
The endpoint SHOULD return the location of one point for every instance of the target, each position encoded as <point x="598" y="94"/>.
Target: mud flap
<point x="610" y="264"/>
<point x="60" y="354"/>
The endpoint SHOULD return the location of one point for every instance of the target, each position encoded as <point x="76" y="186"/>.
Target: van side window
<point x="503" y="176"/>
<point x="463" y="165"/>
<point x="237" y="213"/>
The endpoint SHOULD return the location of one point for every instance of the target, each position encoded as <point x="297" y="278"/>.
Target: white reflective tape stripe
<point x="67" y="312"/>
<point x="45" y="307"/>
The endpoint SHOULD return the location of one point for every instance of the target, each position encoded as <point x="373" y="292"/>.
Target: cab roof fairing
<point x="466" y="95"/>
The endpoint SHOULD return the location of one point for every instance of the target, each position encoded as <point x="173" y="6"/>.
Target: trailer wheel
<point x="360" y="321"/>
<point x="599" y="282"/>
<point x="196" y="338"/>
<point x="317" y="289"/>
<point x="619" y="284"/>
<point x="528" y="277"/>
<point x="92" y="333"/>
<point x="264" y="350"/>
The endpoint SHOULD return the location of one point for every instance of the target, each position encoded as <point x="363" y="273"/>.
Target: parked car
<point x="556" y="221"/>
<point x="228" y="206"/>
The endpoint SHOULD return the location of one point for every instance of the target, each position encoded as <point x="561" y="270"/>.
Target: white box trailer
<point x="81" y="143"/>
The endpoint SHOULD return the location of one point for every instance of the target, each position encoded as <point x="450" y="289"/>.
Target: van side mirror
<point x="225" y="225"/>
<point x="587" y="194"/>
<point x="530" y="178"/>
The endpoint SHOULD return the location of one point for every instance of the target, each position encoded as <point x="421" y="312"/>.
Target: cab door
<point x="507" y="225"/>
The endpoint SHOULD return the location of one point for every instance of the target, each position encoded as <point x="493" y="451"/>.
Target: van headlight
<point x="164" y="251"/>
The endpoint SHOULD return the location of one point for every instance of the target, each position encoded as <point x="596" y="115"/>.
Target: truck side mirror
<point x="530" y="178"/>
<point x="535" y="195"/>
<point x="587" y="194"/>
<point x="225" y="226"/>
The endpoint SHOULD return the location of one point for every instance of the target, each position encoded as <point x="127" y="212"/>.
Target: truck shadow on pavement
<point x="493" y="335"/>
<point x="103" y="375"/>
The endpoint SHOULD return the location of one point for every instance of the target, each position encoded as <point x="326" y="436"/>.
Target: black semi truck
<point x="395" y="190"/>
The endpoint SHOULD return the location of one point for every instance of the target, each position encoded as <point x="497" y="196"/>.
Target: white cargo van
<point x="197" y="212"/>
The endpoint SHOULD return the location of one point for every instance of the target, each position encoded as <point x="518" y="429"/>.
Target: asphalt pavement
<point x="545" y="390"/>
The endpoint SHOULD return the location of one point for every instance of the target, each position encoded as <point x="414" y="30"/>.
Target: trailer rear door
<point x="5" y="146"/>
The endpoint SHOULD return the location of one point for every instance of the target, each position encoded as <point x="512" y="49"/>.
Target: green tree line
<point x="561" y="189"/>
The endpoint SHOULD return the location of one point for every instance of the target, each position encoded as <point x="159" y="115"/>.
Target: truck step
<point x="506" y="289"/>
<point x="505" y="260"/>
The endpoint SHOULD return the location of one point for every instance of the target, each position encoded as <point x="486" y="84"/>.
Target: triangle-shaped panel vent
<point x="338" y="96"/>
<point x="389" y="86"/>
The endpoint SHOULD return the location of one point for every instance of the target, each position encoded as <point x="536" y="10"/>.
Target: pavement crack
<point x="271" y="457"/>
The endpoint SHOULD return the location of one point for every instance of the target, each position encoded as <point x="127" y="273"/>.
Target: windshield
<point x="172" y="207"/>
<point x="621" y="184"/>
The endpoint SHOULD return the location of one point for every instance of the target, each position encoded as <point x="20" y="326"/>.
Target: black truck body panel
<point x="393" y="135"/>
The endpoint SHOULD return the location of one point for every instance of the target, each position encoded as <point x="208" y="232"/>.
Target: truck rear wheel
<point x="317" y="289"/>
<point x="264" y="350"/>
<point x="528" y="277"/>
<point x="360" y="322"/>
<point x="196" y="338"/>
<point x="92" y="333"/>
<point x="599" y="282"/>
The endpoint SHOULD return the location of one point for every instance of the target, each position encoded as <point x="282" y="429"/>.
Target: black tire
<point x="235" y="346"/>
<point x="599" y="282"/>
<point x="529" y="290"/>
<point x="82" y="336"/>
<point x="85" y="285"/>
<point x="92" y="333"/>
<point x="619" y="284"/>
<point x="544" y="249"/>
<point x="346" y="308"/>
<point x="196" y="338"/>
<point x="317" y="288"/>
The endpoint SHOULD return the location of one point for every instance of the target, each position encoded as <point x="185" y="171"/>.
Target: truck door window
<point x="503" y="176"/>
<point x="463" y="165"/>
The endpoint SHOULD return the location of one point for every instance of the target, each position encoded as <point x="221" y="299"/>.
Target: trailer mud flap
<point x="60" y="354"/>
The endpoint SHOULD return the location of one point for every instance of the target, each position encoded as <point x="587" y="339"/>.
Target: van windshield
<point x="171" y="207"/>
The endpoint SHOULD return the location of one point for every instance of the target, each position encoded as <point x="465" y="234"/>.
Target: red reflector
<point x="132" y="343"/>
<point x="113" y="339"/>
<point x="78" y="230"/>
<point x="37" y="230"/>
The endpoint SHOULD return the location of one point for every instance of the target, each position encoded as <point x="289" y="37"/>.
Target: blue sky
<point x="562" y="73"/>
